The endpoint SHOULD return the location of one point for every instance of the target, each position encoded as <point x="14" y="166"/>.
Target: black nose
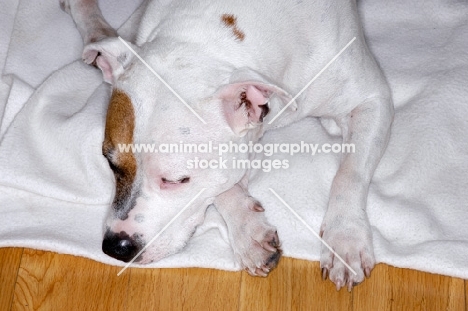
<point x="120" y="246"/>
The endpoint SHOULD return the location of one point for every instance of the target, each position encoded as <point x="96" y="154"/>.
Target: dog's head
<point x="154" y="185"/>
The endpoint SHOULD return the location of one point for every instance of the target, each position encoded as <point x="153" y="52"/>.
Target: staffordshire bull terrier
<point x="237" y="64"/>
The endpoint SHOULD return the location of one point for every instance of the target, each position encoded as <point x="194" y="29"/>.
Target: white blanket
<point x="55" y="186"/>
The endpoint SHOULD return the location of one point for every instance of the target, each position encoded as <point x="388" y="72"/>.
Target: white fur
<point x="285" y="45"/>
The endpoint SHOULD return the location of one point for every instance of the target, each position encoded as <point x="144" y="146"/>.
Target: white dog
<point x="236" y="63"/>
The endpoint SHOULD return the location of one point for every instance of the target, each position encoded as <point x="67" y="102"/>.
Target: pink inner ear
<point x="106" y="68"/>
<point x="256" y="98"/>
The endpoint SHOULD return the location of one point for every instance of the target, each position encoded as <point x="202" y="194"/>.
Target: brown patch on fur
<point x="230" y="21"/>
<point x="120" y="124"/>
<point x="239" y="34"/>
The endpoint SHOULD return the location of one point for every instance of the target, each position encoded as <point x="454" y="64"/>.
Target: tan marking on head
<point x="238" y="34"/>
<point x="120" y="124"/>
<point x="230" y="21"/>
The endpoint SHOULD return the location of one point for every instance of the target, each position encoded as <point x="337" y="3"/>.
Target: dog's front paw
<point x="350" y="239"/>
<point x="256" y="244"/>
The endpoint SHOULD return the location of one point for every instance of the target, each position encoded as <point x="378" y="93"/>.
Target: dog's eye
<point x="113" y="167"/>
<point x="182" y="180"/>
<point x="108" y="154"/>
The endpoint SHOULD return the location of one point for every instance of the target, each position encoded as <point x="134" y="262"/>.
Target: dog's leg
<point x="88" y="19"/>
<point x="254" y="241"/>
<point x="346" y="226"/>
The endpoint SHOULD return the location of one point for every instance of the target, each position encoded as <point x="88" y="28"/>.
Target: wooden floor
<point x="37" y="280"/>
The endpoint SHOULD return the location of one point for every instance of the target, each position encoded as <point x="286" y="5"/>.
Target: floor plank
<point x="426" y="291"/>
<point x="406" y="289"/>
<point x="10" y="259"/>
<point x="49" y="281"/>
<point x="183" y="289"/>
<point x="294" y="285"/>
<point x="457" y="297"/>
<point x="310" y="291"/>
<point x="375" y="293"/>
<point x="270" y="293"/>
<point x="466" y="295"/>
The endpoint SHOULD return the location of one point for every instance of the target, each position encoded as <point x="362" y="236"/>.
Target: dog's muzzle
<point x="121" y="246"/>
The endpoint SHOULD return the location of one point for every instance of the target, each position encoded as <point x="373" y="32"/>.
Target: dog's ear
<point x="249" y="98"/>
<point x="110" y="55"/>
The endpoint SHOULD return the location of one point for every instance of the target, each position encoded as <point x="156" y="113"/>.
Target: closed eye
<point x="181" y="180"/>
<point x="113" y="167"/>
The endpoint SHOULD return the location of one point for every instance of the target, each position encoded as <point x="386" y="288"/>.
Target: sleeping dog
<point x="227" y="71"/>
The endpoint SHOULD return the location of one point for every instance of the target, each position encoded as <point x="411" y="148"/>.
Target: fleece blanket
<point x="55" y="186"/>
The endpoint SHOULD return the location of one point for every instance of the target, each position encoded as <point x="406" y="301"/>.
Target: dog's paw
<point x="352" y="241"/>
<point x="256" y="244"/>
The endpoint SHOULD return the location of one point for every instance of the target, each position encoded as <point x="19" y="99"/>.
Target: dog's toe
<point x="324" y="273"/>
<point x="351" y="258"/>
<point x="258" y="250"/>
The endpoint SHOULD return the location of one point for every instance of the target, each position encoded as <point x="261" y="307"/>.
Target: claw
<point x="367" y="272"/>
<point x="338" y="285"/>
<point x="276" y="241"/>
<point x="257" y="207"/>
<point x="269" y="247"/>
<point x="350" y="286"/>
<point x="260" y="272"/>
<point x="324" y="273"/>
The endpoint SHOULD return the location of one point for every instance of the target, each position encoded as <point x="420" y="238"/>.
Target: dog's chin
<point x="145" y="260"/>
<point x="151" y="255"/>
<point x="168" y="244"/>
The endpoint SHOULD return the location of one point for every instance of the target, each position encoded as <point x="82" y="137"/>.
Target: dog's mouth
<point x="121" y="246"/>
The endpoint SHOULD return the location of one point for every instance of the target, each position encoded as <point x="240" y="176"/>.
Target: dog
<point x="238" y="64"/>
